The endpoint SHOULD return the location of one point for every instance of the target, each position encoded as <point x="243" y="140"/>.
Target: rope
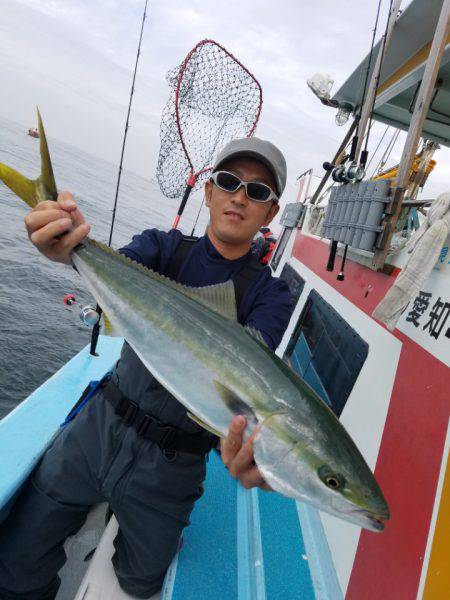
<point x="376" y="149"/>
<point x="387" y="153"/>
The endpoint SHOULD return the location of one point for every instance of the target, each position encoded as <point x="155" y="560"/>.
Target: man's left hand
<point x="238" y="456"/>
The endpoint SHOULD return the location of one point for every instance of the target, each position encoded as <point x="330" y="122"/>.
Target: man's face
<point x="234" y="218"/>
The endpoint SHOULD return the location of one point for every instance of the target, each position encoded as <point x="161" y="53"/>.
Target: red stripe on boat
<point x="388" y="565"/>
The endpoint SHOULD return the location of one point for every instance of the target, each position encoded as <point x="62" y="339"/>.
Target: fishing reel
<point x="345" y="174"/>
<point x="89" y="316"/>
<point x="338" y="175"/>
<point x="355" y="172"/>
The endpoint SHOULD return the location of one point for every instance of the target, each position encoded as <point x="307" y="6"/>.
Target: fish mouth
<point x="376" y="522"/>
<point x="372" y="521"/>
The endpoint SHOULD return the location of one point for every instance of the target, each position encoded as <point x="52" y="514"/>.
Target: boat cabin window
<point x="295" y="282"/>
<point x="326" y="352"/>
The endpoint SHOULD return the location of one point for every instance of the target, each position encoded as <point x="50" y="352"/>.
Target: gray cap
<point x="261" y="150"/>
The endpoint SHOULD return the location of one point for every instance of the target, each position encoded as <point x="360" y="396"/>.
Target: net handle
<point x="189" y="187"/>
<point x="177" y="91"/>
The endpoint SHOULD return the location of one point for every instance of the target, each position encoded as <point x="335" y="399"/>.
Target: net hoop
<point x="214" y="98"/>
<point x="177" y="93"/>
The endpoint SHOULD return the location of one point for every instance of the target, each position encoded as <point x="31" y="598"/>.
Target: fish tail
<point x="20" y="185"/>
<point x="46" y="179"/>
<point x="33" y="191"/>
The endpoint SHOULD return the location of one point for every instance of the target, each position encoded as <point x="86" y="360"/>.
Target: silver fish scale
<point x="209" y="341"/>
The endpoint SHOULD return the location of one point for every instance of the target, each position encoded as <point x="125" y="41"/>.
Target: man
<point x="104" y="453"/>
<point x="264" y="245"/>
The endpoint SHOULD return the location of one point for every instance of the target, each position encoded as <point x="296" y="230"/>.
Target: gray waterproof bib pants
<point x="96" y="457"/>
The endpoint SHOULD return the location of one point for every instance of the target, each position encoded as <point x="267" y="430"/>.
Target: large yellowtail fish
<point x="190" y="340"/>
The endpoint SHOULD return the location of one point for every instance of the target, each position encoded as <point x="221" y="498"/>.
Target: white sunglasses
<point x="228" y="182"/>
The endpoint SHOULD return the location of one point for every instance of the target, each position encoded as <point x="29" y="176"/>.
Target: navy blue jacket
<point x="266" y="305"/>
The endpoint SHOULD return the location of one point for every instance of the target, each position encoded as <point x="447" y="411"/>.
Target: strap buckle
<point x="163" y="435"/>
<point x="167" y="437"/>
<point x="146" y="422"/>
<point x="130" y="413"/>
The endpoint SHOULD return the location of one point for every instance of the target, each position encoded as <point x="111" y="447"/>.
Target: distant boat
<point x="33" y="132"/>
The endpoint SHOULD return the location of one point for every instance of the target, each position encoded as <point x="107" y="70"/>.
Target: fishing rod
<point x="367" y="111"/>
<point x="370" y="98"/>
<point x="198" y="215"/>
<point x="96" y="328"/>
<point x="361" y="124"/>
<point x="365" y="152"/>
<point x="355" y="144"/>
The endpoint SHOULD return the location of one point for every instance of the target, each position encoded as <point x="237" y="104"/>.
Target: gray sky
<point x="74" y="59"/>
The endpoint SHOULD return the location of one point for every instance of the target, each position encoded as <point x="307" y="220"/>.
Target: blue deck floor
<point x="243" y="545"/>
<point x="240" y="545"/>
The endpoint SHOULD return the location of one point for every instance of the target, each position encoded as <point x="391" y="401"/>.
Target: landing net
<point x="213" y="99"/>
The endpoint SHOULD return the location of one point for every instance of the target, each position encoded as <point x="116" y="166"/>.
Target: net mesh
<point x="213" y="99"/>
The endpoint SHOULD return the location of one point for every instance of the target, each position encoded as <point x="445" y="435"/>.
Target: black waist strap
<point x="149" y="427"/>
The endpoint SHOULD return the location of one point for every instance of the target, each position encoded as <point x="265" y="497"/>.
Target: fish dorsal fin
<point x="256" y="335"/>
<point x="33" y="191"/>
<point x="220" y="298"/>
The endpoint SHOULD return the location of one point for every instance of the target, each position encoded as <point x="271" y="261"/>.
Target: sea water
<point x="38" y="332"/>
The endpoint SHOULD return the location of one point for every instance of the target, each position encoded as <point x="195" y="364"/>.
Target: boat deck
<point x="240" y="544"/>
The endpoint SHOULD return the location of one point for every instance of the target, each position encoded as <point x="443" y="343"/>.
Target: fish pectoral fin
<point x="33" y="191"/>
<point x="204" y="425"/>
<point x="234" y="404"/>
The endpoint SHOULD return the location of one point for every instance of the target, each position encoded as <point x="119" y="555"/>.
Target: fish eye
<point x="332" y="480"/>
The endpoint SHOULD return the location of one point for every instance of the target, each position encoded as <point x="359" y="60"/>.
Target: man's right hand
<point x="55" y="228"/>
